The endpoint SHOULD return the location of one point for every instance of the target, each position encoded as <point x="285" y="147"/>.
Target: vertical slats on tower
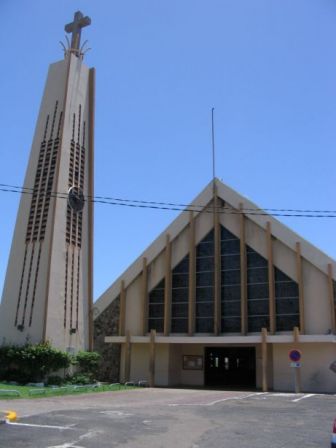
<point x="331" y="298"/>
<point x="300" y="283"/>
<point x="271" y="287"/>
<point x="243" y="272"/>
<point x="168" y="288"/>
<point x="144" y="294"/>
<point x="217" y="253"/>
<point x="92" y="94"/>
<point x="192" y="275"/>
<point x="53" y="208"/>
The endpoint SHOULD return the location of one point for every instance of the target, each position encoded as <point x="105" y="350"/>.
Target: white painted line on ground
<point x="212" y="403"/>
<point x="304" y="396"/>
<point x="31" y="425"/>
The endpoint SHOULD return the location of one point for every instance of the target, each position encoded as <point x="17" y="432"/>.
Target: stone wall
<point x="107" y="324"/>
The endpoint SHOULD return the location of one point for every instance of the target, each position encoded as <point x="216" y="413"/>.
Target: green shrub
<point x="88" y="363"/>
<point x="31" y="363"/>
<point x="55" y="380"/>
<point x="80" y="378"/>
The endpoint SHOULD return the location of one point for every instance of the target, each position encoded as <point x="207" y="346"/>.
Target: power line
<point x="135" y="203"/>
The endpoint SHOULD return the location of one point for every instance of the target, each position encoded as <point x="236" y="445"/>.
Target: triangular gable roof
<point x="279" y="230"/>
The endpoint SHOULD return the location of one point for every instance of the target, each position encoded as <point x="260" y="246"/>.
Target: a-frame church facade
<point x="219" y="299"/>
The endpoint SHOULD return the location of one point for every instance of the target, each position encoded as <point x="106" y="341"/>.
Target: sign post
<point x="295" y="358"/>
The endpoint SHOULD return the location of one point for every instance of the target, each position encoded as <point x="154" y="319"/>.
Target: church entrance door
<point x="230" y="366"/>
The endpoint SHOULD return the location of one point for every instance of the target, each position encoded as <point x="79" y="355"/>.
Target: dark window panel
<point x="179" y="310"/>
<point x="287" y="306"/>
<point x="286" y="289"/>
<point x="180" y="280"/>
<point x="230" y="277"/>
<point x="231" y="292"/>
<point x="257" y="291"/>
<point x="155" y="324"/>
<point x="204" y="310"/>
<point x="204" y="279"/>
<point x="205" y="249"/>
<point x="160" y="285"/>
<point x="226" y="234"/>
<point x="257" y="275"/>
<point x="230" y="309"/>
<point x="205" y="264"/>
<point x="257" y="307"/>
<point x="156" y="296"/>
<point x="255" y="260"/>
<point x="257" y="323"/>
<point x="281" y="276"/>
<point x="204" y="293"/>
<point x="204" y="325"/>
<point x="209" y="237"/>
<point x="179" y="326"/>
<point x="230" y="247"/>
<point x="230" y="262"/>
<point x="231" y="325"/>
<point x="156" y="310"/>
<point x="183" y="266"/>
<point x="180" y="295"/>
<point x="287" y="323"/>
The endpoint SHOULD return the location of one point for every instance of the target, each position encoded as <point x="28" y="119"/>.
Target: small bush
<point x="88" y="364"/>
<point x="31" y="363"/>
<point x="55" y="380"/>
<point x="80" y="378"/>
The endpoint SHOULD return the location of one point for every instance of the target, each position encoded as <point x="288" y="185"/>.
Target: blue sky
<point x="267" y="66"/>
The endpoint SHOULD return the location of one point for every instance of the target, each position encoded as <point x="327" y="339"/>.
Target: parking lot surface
<point x="177" y="418"/>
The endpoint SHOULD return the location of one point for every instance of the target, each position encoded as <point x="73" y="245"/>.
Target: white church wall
<point x="139" y="362"/>
<point x="255" y="237"/>
<point x="180" y="247"/>
<point x="230" y="220"/>
<point x="315" y="373"/>
<point x="284" y="258"/>
<point x="192" y="377"/>
<point x="162" y="365"/>
<point x="175" y="360"/>
<point x="134" y="307"/>
<point x="203" y="225"/>
<point x="156" y="271"/>
<point x="316" y="300"/>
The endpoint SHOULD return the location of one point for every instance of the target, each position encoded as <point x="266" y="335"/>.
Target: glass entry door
<point x="230" y="366"/>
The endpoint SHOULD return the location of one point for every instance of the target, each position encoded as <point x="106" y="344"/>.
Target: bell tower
<point x="47" y="293"/>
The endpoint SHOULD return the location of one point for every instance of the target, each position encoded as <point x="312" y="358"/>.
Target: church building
<point x="221" y="298"/>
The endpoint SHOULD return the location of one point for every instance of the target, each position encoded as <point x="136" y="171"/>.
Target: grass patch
<point x="18" y="392"/>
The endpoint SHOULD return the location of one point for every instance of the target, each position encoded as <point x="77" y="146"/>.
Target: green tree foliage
<point x="31" y="362"/>
<point x="88" y="364"/>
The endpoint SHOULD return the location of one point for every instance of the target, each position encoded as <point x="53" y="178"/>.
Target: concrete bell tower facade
<point x="47" y="294"/>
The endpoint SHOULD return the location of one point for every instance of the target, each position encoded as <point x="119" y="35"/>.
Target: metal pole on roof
<point x="213" y="145"/>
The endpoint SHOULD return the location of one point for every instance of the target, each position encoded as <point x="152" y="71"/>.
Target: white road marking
<point x="87" y="435"/>
<point x="212" y="403"/>
<point x="116" y="413"/>
<point x="31" y="425"/>
<point x="66" y="445"/>
<point x="304" y="396"/>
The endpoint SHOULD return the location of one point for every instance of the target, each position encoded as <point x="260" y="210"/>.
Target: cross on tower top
<point x="75" y="28"/>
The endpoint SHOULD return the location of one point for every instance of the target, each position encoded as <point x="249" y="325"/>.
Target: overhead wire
<point x="136" y="203"/>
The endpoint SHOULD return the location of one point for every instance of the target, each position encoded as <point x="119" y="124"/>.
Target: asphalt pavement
<point x="176" y="418"/>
